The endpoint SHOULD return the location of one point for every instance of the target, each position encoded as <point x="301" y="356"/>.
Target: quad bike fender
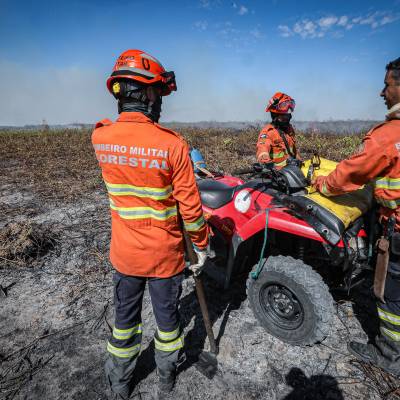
<point x="279" y="220"/>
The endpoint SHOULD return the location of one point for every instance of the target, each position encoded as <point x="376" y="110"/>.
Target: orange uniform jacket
<point x="379" y="162"/>
<point x="272" y="148"/>
<point x="148" y="174"/>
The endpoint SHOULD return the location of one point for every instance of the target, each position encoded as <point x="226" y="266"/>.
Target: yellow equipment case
<point x="330" y="216"/>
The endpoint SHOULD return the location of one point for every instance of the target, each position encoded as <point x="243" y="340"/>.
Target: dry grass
<point x="55" y="164"/>
<point x="23" y="243"/>
<point x="60" y="165"/>
<point x="228" y="150"/>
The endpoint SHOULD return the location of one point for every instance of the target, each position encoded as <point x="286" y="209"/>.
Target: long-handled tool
<point x="207" y="363"/>
<point x="382" y="259"/>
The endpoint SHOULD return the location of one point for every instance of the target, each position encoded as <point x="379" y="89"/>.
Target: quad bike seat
<point x="215" y="194"/>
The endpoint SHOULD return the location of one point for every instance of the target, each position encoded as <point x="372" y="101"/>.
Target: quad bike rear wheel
<point x="291" y="301"/>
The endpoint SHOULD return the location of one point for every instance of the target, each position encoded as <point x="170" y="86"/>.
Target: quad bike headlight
<point x="243" y="201"/>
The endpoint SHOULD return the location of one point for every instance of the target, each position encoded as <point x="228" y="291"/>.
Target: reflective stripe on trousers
<point x="127" y="333"/>
<point x="125" y="343"/>
<point x="389" y="312"/>
<point x="168" y="341"/>
<point x="123" y="352"/>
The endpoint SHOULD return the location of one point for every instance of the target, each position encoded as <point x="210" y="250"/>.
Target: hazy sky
<point x="229" y="56"/>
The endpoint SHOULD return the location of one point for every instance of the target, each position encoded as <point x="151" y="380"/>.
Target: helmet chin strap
<point x="143" y="100"/>
<point x="284" y="125"/>
<point x="151" y="110"/>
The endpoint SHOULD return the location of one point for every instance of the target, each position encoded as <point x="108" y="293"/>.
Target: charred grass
<point x="59" y="167"/>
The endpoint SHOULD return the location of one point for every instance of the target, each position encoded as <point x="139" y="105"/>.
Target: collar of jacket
<point x="133" y="117"/>
<point x="394" y="112"/>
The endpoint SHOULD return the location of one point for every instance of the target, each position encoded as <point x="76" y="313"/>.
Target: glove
<point x="201" y="259"/>
<point x="318" y="182"/>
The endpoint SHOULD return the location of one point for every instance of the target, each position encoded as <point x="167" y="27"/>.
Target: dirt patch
<point x="24" y="244"/>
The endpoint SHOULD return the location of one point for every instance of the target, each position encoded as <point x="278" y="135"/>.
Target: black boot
<point x="363" y="352"/>
<point x="119" y="374"/>
<point x="166" y="385"/>
<point x="119" y="397"/>
<point x="372" y="354"/>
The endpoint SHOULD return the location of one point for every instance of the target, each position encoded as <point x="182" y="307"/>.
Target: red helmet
<point x="281" y="103"/>
<point x="142" y="67"/>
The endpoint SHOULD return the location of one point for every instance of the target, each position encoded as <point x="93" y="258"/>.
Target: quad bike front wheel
<point x="291" y="301"/>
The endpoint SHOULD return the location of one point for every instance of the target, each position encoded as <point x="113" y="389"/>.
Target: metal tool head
<point x="207" y="364"/>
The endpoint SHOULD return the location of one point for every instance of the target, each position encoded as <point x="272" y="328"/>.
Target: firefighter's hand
<point x="201" y="259"/>
<point x="318" y="182"/>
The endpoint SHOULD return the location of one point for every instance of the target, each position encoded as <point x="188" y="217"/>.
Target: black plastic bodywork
<point x="330" y="227"/>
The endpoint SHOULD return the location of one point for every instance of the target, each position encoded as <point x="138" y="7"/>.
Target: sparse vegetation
<point x="61" y="164"/>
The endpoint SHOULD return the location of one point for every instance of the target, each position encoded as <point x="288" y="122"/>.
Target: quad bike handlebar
<point x="266" y="168"/>
<point x="256" y="169"/>
<point x="289" y="179"/>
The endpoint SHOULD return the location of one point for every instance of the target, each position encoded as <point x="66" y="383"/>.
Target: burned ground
<point x="56" y="305"/>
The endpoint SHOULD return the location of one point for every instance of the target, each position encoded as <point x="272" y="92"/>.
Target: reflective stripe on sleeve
<point x="139" y="191"/>
<point x="387" y="183"/>
<point x="324" y="190"/>
<point x="393" y="204"/>
<point x="388" y="317"/>
<point x="280" y="164"/>
<point x="278" y="155"/>
<point x="123" y="334"/>
<point x="120" y="352"/>
<point x="194" y="226"/>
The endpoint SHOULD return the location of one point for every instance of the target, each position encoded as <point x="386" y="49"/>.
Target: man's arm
<point x="263" y="148"/>
<point x="187" y="195"/>
<point x="356" y="171"/>
<point x="296" y="150"/>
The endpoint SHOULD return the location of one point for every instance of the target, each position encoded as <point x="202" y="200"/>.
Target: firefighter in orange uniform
<point x="276" y="141"/>
<point x="379" y="162"/>
<point x="150" y="181"/>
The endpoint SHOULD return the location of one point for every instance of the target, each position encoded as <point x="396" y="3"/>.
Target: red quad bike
<point x="294" y="246"/>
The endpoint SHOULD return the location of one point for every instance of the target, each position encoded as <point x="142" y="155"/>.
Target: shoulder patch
<point x="103" y="122"/>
